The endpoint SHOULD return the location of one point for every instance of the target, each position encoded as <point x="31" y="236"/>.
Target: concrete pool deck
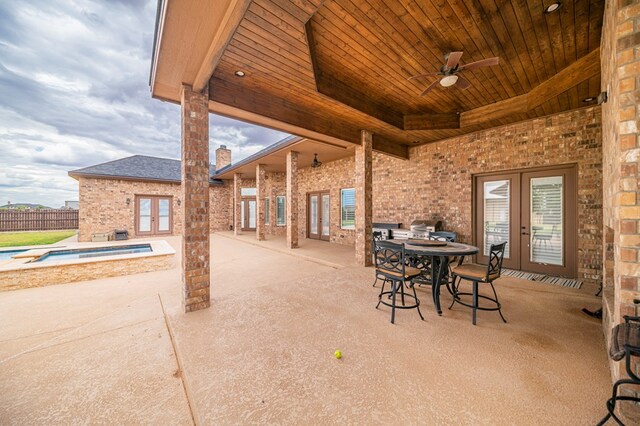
<point x="119" y="350"/>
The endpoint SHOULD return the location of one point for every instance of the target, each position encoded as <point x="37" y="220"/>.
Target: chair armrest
<point x="629" y="318"/>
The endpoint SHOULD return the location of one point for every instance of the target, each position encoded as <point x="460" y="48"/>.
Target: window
<point x="266" y="211"/>
<point x="280" y="210"/>
<point x="348" y="208"/>
<point x="248" y="192"/>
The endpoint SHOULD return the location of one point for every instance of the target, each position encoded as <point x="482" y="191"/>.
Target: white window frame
<point x="342" y="225"/>
<point x="266" y="211"/>
<point x="284" y="211"/>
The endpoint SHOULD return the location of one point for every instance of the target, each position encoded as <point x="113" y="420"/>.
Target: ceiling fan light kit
<point x="449" y="71"/>
<point x="448" y="80"/>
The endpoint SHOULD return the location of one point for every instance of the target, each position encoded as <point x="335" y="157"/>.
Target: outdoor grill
<point x="419" y="229"/>
<point x="387" y="229"/>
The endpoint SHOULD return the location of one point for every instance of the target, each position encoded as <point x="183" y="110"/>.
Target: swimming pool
<point x="94" y="252"/>
<point x="6" y="255"/>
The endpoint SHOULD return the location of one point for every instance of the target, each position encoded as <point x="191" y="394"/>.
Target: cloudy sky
<point x="74" y="92"/>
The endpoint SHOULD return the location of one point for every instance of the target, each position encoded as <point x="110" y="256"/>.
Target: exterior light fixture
<point x="589" y="99"/>
<point x="602" y="98"/>
<point x="179" y="202"/>
<point x="128" y="201"/>
<point x="552" y="7"/>
<point x="239" y="73"/>
<point x="448" y="80"/>
<point x="315" y="164"/>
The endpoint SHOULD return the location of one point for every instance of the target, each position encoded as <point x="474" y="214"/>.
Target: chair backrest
<point x="496" y="256"/>
<point x="375" y="236"/>
<point x="389" y="257"/>
<point x="448" y="236"/>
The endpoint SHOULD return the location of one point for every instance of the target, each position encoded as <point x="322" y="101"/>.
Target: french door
<point x="154" y="215"/>
<point x="318" y="206"/>
<point x="534" y="211"/>
<point x="248" y="213"/>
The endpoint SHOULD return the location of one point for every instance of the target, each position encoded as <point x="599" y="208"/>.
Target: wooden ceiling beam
<point x="278" y="113"/>
<point x="339" y="91"/>
<point x="390" y="147"/>
<point x="231" y="20"/>
<point x="582" y="70"/>
<point x="432" y="121"/>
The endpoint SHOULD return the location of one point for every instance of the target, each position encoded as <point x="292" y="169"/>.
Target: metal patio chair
<point x="625" y="343"/>
<point x="376" y="236"/>
<point x="424" y="262"/>
<point x="480" y="274"/>
<point x="391" y="264"/>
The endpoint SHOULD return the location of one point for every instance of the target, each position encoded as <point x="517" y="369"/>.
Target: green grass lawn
<point x="12" y="239"/>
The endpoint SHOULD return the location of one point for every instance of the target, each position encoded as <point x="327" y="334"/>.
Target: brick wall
<point x="332" y="177"/>
<point x="103" y="205"/>
<point x="621" y="158"/>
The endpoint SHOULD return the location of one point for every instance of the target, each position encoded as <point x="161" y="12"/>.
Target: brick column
<point x="292" y="199"/>
<point x="621" y="170"/>
<point x="364" y="203"/>
<point x="261" y="195"/>
<point x="195" y="200"/>
<point x="237" y="203"/>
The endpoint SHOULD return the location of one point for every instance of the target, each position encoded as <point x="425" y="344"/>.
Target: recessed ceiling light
<point x="589" y="99"/>
<point x="239" y="73"/>
<point x="552" y="7"/>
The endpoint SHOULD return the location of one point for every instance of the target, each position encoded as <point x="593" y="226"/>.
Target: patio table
<point x="439" y="252"/>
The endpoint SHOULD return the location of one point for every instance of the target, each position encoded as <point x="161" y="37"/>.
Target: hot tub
<point x="82" y="262"/>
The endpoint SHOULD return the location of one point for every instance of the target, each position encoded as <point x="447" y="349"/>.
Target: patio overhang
<point x="327" y="70"/>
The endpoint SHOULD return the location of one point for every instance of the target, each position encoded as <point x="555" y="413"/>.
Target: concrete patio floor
<point x="119" y="350"/>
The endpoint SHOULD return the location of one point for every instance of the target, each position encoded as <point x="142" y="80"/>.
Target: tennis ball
<point x="338" y="354"/>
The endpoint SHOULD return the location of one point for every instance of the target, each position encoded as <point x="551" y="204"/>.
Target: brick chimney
<point x="223" y="157"/>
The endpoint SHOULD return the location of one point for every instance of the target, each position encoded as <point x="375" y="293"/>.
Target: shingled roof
<point x="138" y="167"/>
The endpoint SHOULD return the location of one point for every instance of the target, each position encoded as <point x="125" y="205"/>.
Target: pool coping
<point x="19" y="262"/>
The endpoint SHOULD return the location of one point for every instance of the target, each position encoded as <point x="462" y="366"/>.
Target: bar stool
<point x="480" y="274"/>
<point x="625" y="343"/>
<point x="391" y="264"/>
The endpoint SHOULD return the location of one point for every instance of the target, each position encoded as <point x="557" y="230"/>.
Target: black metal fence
<point x="38" y="220"/>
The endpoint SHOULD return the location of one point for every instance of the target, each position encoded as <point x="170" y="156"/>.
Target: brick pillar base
<point x="261" y="191"/>
<point x="292" y="199"/>
<point x="237" y="204"/>
<point x="364" y="201"/>
<point x="195" y="200"/>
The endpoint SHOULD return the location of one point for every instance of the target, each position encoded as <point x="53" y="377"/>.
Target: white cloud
<point x="74" y="92"/>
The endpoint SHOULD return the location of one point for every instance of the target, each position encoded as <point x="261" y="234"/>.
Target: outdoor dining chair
<point x="480" y="274"/>
<point x="376" y="236"/>
<point x="625" y="343"/>
<point x="424" y="262"/>
<point x="390" y="261"/>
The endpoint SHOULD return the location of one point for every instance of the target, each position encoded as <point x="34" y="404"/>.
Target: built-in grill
<point x="419" y="229"/>
<point x="386" y="228"/>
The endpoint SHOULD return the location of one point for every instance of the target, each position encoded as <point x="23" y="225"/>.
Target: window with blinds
<point x="348" y="208"/>
<point x="281" y="219"/>
<point x="546" y="220"/>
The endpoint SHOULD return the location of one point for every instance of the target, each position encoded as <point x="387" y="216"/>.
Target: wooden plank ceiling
<point x="339" y="66"/>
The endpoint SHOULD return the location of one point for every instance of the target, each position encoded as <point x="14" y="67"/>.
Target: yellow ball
<point x="338" y="354"/>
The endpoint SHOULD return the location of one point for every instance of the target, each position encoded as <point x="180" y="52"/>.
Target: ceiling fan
<point x="449" y="71"/>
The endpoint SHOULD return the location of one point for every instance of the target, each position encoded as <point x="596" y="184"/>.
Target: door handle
<point x="525" y="233"/>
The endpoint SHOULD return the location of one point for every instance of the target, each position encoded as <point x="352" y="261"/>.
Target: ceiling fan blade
<point x="481" y="63"/>
<point x="462" y="83"/>
<point x="431" y="86"/>
<point x="453" y="58"/>
<point x="423" y="75"/>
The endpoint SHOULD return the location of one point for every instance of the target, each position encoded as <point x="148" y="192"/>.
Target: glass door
<point x="497" y="216"/>
<point x="248" y="213"/>
<point x="154" y="215"/>
<point x="324" y="214"/>
<point x="314" y="216"/>
<point x="548" y="211"/>
<point x="318" y="224"/>
<point x="534" y="211"/>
